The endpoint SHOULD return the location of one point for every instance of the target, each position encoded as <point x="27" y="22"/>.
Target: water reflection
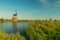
<point x="14" y="27"/>
<point x="1" y="25"/>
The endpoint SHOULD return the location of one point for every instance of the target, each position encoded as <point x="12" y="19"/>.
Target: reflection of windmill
<point x="14" y="19"/>
<point x="14" y="27"/>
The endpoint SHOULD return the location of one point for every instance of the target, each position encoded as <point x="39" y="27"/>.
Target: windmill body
<point x="14" y="19"/>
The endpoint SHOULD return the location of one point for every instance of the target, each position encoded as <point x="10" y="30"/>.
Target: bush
<point x="43" y="30"/>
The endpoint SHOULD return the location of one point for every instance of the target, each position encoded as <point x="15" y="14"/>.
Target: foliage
<point x="43" y="30"/>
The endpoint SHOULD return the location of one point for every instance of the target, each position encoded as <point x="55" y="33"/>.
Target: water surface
<point x="10" y="27"/>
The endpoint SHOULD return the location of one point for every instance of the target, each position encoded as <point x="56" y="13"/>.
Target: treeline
<point x="10" y="20"/>
<point x="37" y="30"/>
<point x="5" y="20"/>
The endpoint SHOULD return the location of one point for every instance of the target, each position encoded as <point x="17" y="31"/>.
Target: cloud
<point x="49" y="1"/>
<point x="43" y="1"/>
<point x="58" y="1"/>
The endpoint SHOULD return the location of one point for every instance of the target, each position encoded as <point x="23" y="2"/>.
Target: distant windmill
<point x="14" y="19"/>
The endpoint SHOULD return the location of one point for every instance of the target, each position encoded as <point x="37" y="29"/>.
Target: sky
<point x="30" y="9"/>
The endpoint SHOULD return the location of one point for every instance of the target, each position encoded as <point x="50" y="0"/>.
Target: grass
<point x="12" y="36"/>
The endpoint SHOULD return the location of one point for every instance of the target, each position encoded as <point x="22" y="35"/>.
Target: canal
<point x="10" y="27"/>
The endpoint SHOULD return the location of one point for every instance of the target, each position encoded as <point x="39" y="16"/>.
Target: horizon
<point x="30" y="9"/>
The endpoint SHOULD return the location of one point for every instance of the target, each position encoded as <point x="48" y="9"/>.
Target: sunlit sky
<point x="30" y="9"/>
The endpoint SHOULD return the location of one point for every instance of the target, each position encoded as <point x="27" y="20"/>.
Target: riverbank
<point x="12" y="36"/>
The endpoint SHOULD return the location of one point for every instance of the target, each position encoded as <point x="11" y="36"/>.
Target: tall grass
<point x="12" y="36"/>
<point x="43" y="30"/>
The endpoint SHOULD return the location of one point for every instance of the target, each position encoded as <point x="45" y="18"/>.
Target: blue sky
<point x="30" y="9"/>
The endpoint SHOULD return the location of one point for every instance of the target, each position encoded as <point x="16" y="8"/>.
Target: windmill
<point x="14" y="19"/>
